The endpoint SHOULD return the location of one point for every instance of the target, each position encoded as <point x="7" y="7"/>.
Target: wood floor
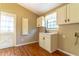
<point x="28" y="50"/>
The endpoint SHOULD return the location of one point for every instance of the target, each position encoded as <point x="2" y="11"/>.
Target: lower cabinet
<point x="48" y="42"/>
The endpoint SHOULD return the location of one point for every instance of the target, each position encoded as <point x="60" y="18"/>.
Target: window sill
<point x="52" y="30"/>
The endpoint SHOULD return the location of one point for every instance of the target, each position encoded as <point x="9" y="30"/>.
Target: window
<point x="6" y="23"/>
<point x="51" y="21"/>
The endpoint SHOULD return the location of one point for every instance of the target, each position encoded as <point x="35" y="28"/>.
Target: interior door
<point x="7" y="30"/>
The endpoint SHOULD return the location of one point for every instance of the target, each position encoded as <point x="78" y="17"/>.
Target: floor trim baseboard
<point x="27" y="43"/>
<point x="66" y="52"/>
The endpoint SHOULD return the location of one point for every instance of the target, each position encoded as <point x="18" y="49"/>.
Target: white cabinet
<point x="39" y="21"/>
<point x="61" y="15"/>
<point x="48" y="42"/>
<point x="68" y="14"/>
<point x="74" y="13"/>
<point x="41" y="41"/>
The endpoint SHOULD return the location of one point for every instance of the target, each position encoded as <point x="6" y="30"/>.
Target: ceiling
<point x="40" y="8"/>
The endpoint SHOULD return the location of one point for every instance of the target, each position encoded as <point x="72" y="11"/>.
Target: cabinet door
<point x="74" y="13"/>
<point x="41" y="41"/>
<point x="48" y="43"/>
<point x="61" y="15"/>
<point x="39" y="21"/>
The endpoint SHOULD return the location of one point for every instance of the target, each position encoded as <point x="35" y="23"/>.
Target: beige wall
<point x="67" y="43"/>
<point x="22" y="12"/>
<point x="67" y="39"/>
<point x="52" y="10"/>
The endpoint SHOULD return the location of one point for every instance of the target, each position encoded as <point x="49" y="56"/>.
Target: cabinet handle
<point x="43" y="38"/>
<point x="65" y="21"/>
<point x="68" y="20"/>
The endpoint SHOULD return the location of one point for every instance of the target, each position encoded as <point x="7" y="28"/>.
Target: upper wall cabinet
<point x="74" y="13"/>
<point x="39" y="21"/>
<point x="68" y="14"/>
<point x="61" y="15"/>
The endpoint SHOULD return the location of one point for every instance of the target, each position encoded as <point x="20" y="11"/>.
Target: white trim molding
<point x="66" y="52"/>
<point x="27" y="43"/>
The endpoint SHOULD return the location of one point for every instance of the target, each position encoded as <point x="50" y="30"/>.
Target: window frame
<point x="10" y="14"/>
<point x="46" y="20"/>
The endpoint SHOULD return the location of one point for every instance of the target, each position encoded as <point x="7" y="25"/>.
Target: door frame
<point x="14" y="15"/>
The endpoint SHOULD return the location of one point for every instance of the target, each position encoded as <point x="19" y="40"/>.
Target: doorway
<point x="7" y="30"/>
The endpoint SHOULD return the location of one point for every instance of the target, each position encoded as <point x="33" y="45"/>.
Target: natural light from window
<point x="6" y="23"/>
<point x="50" y="21"/>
